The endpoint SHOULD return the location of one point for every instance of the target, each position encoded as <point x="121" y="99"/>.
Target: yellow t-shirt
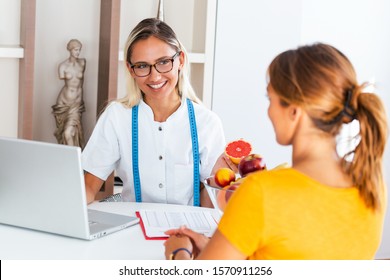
<point x="283" y="214"/>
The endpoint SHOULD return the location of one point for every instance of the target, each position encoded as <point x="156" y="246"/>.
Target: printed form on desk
<point x="157" y="222"/>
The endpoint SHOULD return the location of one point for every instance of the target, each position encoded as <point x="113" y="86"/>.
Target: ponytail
<point x="366" y="167"/>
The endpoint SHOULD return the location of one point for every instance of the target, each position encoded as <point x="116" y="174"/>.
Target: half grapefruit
<point x="238" y="149"/>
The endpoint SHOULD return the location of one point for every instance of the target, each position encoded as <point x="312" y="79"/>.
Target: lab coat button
<point x="160" y="186"/>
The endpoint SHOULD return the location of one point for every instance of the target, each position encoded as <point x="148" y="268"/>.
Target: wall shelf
<point x="11" y="51"/>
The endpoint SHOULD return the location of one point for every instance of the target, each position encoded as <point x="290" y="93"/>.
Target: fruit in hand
<point x="231" y="188"/>
<point x="224" y="194"/>
<point x="251" y="163"/>
<point x="238" y="149"/>
<point x="224" y="176"/>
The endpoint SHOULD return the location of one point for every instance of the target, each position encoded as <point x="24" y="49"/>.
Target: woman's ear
<point x="181" y="60"/>
<point x="295" y="112"/>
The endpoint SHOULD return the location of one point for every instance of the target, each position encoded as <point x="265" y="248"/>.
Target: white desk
<point x="20" y="243"/>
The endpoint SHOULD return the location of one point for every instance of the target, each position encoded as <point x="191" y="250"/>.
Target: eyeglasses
<point x="161" y="66"/>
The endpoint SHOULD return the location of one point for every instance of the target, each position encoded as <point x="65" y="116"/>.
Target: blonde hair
<point x="323" y="81"/>
<point x="159" y="29"/>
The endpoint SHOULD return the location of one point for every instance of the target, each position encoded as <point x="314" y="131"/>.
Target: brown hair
<point x="323" y="81"/>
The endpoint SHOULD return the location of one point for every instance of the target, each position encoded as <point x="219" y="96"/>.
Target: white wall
<point x="250" y="33"/>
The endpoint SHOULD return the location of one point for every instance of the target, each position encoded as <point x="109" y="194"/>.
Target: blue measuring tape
<point x="134" y="147"/>
<point x="195" y="153"/>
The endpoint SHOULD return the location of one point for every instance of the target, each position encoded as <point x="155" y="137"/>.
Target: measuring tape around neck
<point x="195" y="153"/>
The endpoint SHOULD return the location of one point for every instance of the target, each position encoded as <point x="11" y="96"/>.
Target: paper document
<point x="157" y="222"/>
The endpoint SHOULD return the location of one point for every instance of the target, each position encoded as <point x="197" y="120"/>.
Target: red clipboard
<point x="144" y="232"/>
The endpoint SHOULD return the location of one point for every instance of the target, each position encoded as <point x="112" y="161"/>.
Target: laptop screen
<point x="42" y="187"/>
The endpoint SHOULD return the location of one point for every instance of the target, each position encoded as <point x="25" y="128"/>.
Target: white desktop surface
<point x="20" y="243"/>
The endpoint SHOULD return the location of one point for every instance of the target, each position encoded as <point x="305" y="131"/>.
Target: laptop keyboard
<point x="112" y="198"/>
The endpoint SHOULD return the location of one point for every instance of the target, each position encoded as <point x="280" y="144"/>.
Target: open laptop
<point x="42" y="188"/>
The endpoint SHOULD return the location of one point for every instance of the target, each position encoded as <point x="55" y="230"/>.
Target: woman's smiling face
<point x="150" y="51"/>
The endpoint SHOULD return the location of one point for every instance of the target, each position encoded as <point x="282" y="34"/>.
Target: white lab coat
<point x="165" y="151"/>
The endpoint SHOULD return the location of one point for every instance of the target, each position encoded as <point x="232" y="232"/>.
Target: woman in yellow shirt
<point x="324" y="207"/>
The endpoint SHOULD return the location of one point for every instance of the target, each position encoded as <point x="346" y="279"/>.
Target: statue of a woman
<point x="70" y="105"/>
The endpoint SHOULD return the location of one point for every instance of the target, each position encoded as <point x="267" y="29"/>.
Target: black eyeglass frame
<point x="172" y="59"/>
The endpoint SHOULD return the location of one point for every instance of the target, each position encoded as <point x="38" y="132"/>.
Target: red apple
<point x="251" y="163"/>
<point x="224" y="176"/>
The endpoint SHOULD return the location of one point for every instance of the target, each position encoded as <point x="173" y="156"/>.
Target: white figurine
<point x="70" y="105"/>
